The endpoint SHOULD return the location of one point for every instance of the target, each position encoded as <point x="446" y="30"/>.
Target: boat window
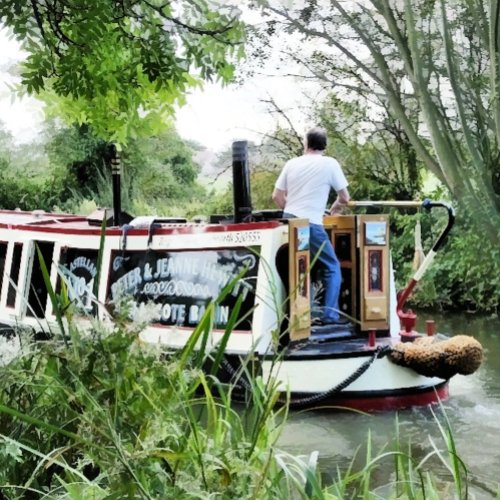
<point x="14" y="274"/>
<point x="3" y="254"/>
<point x="78" y="269"/>
<point x="37" y="295"/>
<point x="343" y="247"/>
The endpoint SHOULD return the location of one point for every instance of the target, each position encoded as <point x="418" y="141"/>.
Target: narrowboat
<point x="169" y="270"/>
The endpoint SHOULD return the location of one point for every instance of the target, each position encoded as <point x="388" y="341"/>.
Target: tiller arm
<point x="429" y="258"/>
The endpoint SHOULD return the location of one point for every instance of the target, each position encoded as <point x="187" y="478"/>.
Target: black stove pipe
<point x="241" y="182"/>
<point x="116" y="178"/>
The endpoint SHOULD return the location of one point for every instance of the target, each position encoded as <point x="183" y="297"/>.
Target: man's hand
<point x="340" y="203"/>
<point x="279" y="197"/>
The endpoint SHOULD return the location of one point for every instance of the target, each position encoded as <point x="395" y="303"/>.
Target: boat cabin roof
<point x="21" y="218"/>
<point x="42" y="221"/>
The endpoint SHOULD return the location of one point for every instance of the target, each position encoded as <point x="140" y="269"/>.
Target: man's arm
<point x="279" y="197"/>
<point x="341" y="201"/>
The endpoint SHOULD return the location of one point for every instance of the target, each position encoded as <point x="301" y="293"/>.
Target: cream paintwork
<point x="313" y="376"/>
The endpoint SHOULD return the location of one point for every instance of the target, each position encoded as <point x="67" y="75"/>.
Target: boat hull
<point x="377" y="401"/>
<point x="344" y="374"/>
<point x="168" y="275"/>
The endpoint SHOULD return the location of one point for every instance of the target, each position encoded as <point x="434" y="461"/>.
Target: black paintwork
<point x="343" y="345"/>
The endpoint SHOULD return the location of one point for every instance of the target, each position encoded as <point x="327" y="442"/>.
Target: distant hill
<point x="212" y="173"/>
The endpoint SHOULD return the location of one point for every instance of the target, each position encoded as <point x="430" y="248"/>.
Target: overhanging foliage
<point x="432" y="64"/>
<point x="120" y="66"/>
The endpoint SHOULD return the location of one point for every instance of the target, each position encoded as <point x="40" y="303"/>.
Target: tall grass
<point x="101" y="415"/>
<point x="406" y="475"/>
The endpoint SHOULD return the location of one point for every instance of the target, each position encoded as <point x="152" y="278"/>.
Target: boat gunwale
<point x="359" y="349"/>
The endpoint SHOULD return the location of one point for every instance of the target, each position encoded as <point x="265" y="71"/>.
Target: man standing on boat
<point x="302" y="190"/>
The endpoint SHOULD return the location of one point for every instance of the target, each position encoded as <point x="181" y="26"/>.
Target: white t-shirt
<point x="307" y="181"/>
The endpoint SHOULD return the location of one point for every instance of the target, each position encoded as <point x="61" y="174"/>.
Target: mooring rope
<point x="379" y="352"/>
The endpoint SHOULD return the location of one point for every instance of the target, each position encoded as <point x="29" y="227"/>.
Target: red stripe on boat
<point x="386" y="402"/>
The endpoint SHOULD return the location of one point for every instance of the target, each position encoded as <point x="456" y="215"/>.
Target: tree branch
<point x="187" y="27"/>
<point x="38" y="19"/>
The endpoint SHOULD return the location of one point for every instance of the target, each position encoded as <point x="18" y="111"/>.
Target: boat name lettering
<point x="127" y="283"/>
<point x="85" y="263"/>
<point x="178" y="313"/>
<point x="78" y="289"/>
<point x="183" y="277"/>
<point x="175" y="287"/>
<point x="185" y="266"/>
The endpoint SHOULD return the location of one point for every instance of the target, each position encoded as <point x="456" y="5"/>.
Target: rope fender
<point x="435" y="357"/>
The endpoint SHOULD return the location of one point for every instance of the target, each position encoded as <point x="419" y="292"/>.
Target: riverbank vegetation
<point x="101" y="416"/>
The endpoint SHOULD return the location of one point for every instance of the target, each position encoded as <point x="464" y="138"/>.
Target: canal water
<point x="473" y="411"/>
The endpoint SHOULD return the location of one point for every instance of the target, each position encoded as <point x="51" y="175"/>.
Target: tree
<point x="20" y="160"/>
<point x="436" y="60"/>
<point x="372" y="146"/>
<point x="162" y="168"/>
<point x="120" y="66"/>
<point x="374" y="151"/>
<point x="376" y="154"/>
<point x="157" y="168"/>
<point x="77" y="156"/>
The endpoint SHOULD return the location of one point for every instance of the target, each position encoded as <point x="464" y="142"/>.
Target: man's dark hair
<point x="316" y="139"/>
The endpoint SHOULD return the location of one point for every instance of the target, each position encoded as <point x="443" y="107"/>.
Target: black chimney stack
<point x="241" y="182"/>
<point x="116" y="177"/>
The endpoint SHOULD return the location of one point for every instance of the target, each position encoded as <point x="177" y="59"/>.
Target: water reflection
<point x="473" y="411"/>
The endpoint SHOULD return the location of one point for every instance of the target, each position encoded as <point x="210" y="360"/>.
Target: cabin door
<point x="299" y="283"/>
<point x="37" y="291"/>
<point x="374" y="271"/>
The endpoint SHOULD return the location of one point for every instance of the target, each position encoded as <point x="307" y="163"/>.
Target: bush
<point x="465" y="274"/>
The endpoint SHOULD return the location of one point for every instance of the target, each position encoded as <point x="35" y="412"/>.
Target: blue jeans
<point x="332" y="277"/>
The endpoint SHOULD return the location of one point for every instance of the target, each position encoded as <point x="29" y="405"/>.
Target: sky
<point x="214" y="116"/>
<point x="21" y="116"/>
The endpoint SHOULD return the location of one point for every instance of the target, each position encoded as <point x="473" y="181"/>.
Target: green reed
<point x="410" y="477"/>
